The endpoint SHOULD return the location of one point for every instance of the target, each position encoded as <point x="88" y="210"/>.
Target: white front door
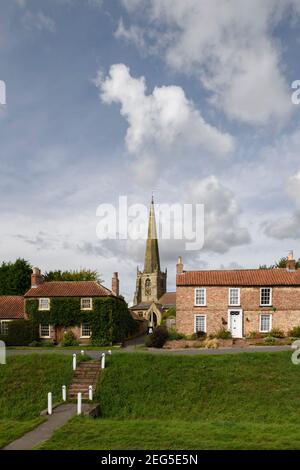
<point x="235" y="322"/>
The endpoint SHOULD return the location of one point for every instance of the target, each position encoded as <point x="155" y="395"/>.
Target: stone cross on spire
<point x="151" y="263"/>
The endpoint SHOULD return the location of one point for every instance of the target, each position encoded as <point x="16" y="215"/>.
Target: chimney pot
<point x="36" y="278"/>
<point x="179" y="266"/>
<point x="291" y="263"/>
<point x="115" y="284"/>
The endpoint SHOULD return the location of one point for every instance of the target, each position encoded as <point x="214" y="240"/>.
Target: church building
<point x="151" y="297"/>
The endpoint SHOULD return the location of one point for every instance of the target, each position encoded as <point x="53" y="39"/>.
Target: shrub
<point x="295" y="332"/>
<point x="34" y="344"/>
<point x="276" y="333"/>
<point x="21" y="333"/>
<point x="175" y="335"/>
<point x="270" y="340"/>
<point x="70" y="339"/>
<point x="223" y="334"/>
<point x="158" y="338"/>
<point x="254" y="335"/>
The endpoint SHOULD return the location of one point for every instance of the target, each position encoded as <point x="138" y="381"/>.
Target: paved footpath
<point x="96" y="354"/>
<point x="44" y="431"/>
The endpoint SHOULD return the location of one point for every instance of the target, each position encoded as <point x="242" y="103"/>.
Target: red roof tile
<point x="11" y="307"/>
<point x="69" y="289"/>
<point x="168" y="298"/>
<point x="242" y="277"/>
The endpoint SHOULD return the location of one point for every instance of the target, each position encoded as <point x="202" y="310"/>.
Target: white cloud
<point x="287" y="226"/>
<point x="228" y="46"/>
<point x="38" y="21"/>
<point x="161" y="124"/>
<point x="221" y="212"/>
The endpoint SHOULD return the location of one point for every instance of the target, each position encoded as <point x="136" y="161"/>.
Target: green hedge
<point x="21" y="333"/>
<point x="110" y="319"/>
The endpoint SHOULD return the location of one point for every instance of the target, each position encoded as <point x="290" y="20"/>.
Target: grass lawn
<point x="242" y="401"/>
<point x="24" y="384"/>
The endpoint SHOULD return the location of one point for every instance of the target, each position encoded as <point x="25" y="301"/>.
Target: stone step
<point x="86" y="374"/>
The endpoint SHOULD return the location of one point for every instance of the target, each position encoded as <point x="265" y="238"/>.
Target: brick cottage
<point x="242" y="301"/>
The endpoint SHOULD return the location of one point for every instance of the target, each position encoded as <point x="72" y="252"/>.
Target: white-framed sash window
<point x="86" y="330"/>
<point x="265" y="322"/>
<point x="44" y="330"/>
<point x="234" y="296"/>
<point x="265" y="296"/>
<point x="4" y="327"/>
<point x="44" y="304"/>
<point x="200" y="323"/>
<point x="86" y="303"/>
<point x="200" y="296"/>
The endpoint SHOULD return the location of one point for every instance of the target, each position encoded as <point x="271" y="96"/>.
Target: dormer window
<point x="86" y="304"/>
<point x="44" y="304"/>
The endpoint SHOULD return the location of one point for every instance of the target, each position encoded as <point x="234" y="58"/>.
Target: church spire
<point x="152" y="254"/>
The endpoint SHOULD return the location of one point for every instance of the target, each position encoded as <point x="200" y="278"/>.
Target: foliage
<point x="158" y="338"/>
<point x="170" y="313"/>
<point x="70" y="339"/>
<point x="270" y="340"/>
<point x="175" y="335"/>
<point x="110" y="319"/>
<point x="295" y="332"/>
<point x="15" y="278"/>
<point x="21" y="333"/>
<point x="281" y="263"/>
<point x="254" y="335"/>
<point x="223" y="334"/>
<point x="276" y="333"/>
<point x="75" y="275"/>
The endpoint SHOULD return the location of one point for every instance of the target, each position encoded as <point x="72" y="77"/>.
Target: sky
<point x="189" y="100"/>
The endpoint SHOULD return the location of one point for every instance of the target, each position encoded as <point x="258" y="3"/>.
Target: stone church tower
<point x="151" y="283"/>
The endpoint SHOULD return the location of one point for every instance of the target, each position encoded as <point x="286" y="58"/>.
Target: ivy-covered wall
<point x="110" y="320"/>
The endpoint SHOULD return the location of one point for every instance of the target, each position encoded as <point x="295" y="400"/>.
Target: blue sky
<point x="211" y="122"/>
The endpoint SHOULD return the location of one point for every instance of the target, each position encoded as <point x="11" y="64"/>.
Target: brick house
<point x="86" y="291"/>
<point x="11" y="308"/>
<point x="241" y="301"/>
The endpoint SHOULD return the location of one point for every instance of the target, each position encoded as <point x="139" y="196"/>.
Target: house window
<point x="200" y="323"/>
<point x="265" y="323"/>
<point x="234" y="296"/>
<point x="44" y="330"/>
<point x="4" y="327"/>
<point x="200" y="296"/>
<point x="44" y="304"/>
<point x="86" y="304"/>
<point x="85" y="330"/>
<point x="266" y="296"/>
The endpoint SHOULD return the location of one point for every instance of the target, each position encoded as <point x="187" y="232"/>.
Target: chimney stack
<point x="36" y="278"/>
<point x="115" y="284"/>
<point x="179" y="266"/>
<point x="291" y="263"/>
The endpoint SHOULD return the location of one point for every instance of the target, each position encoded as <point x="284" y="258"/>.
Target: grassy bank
<point x="243" y="401"/>
<point x="24" y="384"/>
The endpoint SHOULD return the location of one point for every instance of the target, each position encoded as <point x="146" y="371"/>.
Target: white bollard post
<point x="79" y="402"/>
<point x="49" y="403"/>
<point x="90" y="392"/>
<point x="74" y="361"/>
<point x="64" y="393"/>
<point x="109" y="352"/>
<point x="82" y="352"/>
<point x="103" y="361"/>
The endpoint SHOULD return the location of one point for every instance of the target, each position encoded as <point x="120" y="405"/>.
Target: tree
<point x="75" y="275"/>
<point x="15" y="278"/>
<point x="281" y="263"/>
